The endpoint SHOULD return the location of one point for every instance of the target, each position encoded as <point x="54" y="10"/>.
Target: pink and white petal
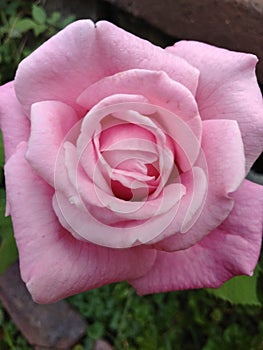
<point x="224" y="164"/>
<point x="131" y="149"/>
<point x="118" y="106"/>
<point x="187" y="141"/>
<point x="126" y="108"/>
<point x="166" y="155"/>
<point x="188" y="210"/>
<point x="160" y="90"/>
<point x="123" y="133"/>
<point x="121" y="226"/>
<point x="84" y="53"/>
<point x="92" y="124"/>
<point x="52" y="123"/>
<point x="13" y="123"/>
<point x="231" y="249"/>
<point x="53" y="264"/>
<point x="156" y="86"/>
<point x="127" y="140"/>
<point x="228" y="89"/>
<point x="83" y="193"/>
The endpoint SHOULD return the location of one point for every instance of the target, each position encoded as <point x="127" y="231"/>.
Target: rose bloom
<point x="126" y="161"/>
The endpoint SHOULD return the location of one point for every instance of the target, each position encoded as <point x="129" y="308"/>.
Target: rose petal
<point x="224" y="158"/>
<point x="53" y="264"/>
<point x="156" y="86"/>
<point x="231" y="249"/>
<point x="87" y="192"/>
<point x="125" y="132"/>
<point x="188" y="211"/>
<point x="13" y="123"/>
<point x="159" y="90"/>
<point x="131" y="149"/>
<point x="228" y="89"/>
<point x="126" y="108"/>
<point x="186" y="141"/>
<point x="86" y="224"/>
<point x="129" y="141"/>
<point x="85" y="52"/>
<point x="52" y="122"/>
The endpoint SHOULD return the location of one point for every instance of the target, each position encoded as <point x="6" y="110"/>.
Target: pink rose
<point x="125" y="161"/>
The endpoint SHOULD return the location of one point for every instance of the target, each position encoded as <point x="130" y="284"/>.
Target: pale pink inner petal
<point x="186" y="144"/>
<point x="161" y="91"/>
<point x="195" y="182"/>
<point x="122" y="132"/>
<point x="156" y="86"/>
<point x="93" y="123"/>
<point x="128" y="174"/>
<point x="86" y="226"/>
<point x="134" y="123"/>
<point x="83" y="225"/>
<point x="165" y="154"/>
<point x="85" y="194"/>
<point x="139" y="149"/>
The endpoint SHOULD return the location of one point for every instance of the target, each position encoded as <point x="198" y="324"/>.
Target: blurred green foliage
<point x="8" y="251"/>
<point x="24" y="25"/>
<point x="188" y="320"/>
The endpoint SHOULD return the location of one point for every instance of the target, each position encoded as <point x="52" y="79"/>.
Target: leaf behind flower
<point x="8" y="250"/>
<point x="240" y="290"/>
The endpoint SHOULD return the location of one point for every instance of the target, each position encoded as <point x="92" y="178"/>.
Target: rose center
<point x="133" y="180"/>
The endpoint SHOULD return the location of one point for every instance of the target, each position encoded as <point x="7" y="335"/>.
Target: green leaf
<point x="39" y="14"/>
<point x="23" y="25"/>
<point x="54" y="18"/>
<point x="239" y="290"/>
<point x="260" y="281"/>
<point x="8" y="250"/>
<point x="39" y="29"/>
<point x="96" y="330"/>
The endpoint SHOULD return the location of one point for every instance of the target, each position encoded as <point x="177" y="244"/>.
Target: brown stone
<point x="102" y="345"/>
<point x="54" y="326"/>
<point x="232" y="24"/>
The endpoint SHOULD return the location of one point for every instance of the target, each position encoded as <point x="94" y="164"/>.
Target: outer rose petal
<point x="51" y="121"/>
<point x="232" y="249"/>
<point x="13" y="123"/>
<point x="224" y="156"/>
<point x="228" y="89"/>
<point x="53" y="264"/>
<point x="83" y="53"/>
